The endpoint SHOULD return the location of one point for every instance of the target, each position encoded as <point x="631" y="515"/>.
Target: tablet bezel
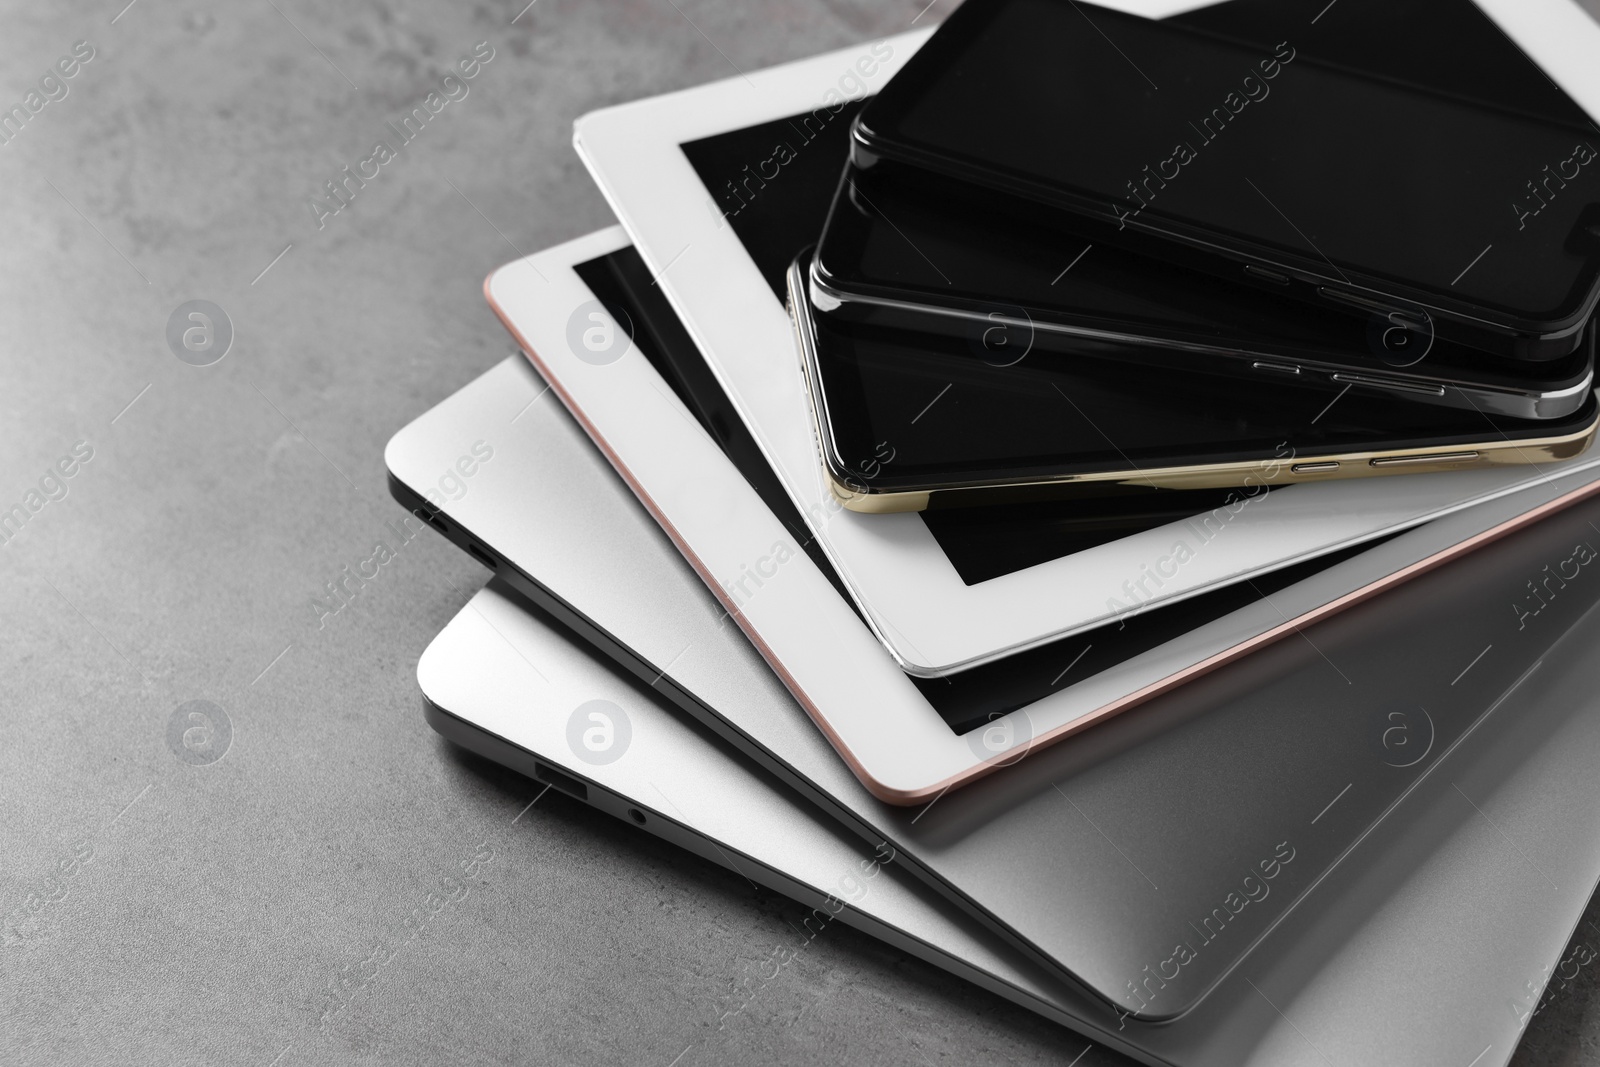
<point x="866" y="706"/>
<point x="929" y="619"/>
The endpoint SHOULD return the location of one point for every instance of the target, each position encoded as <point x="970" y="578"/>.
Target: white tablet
<point x="720" y="186"/>
<point x="891" y="729"/>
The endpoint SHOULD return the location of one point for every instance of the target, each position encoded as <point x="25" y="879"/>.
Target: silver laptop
<point x="1409" y="953"/>
<point x="1122" y="844"/>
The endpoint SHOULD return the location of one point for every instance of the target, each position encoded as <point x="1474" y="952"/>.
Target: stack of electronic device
<point x="979" y="385"/>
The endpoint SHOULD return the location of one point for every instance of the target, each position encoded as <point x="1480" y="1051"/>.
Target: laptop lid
<point x="1107" y="848"/>
<point x="510" y="683"/>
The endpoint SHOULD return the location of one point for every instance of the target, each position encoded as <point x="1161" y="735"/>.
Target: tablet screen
<point x="776" y="210"/>
<point x="773" y="185"/>
<point x="973" y="697"/>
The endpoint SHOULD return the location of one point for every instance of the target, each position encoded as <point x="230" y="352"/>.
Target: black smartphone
<point x="910" y="421"/>
<point x="908" y="249"/>
<point x="1263" y="164"/>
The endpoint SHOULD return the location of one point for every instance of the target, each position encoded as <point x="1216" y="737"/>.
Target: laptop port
<point x="564" y="782"/>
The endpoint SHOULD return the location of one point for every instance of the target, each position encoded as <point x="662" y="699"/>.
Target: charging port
<point x="564" y="782"/>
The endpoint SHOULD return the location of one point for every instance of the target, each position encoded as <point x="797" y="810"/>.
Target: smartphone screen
<point x="907" y="412"/>
<point x="1258" y="152"/>
<point x="897" y="241"/>
<point x="1401" y="40"/>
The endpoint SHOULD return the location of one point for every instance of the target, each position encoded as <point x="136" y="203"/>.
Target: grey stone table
<point x="178" y="522"/>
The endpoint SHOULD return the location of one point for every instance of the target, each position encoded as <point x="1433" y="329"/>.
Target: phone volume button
<point x="1315" y="468"/>
<point x="1417" y="461"/>
<point x="1363" y="303"/>
<point x="1390" y="383"/>
<point x="1266" y="275"/>
<point x="1278" y="368"/>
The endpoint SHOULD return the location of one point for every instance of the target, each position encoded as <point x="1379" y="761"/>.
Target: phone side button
<point x="1277" y="368"/>
<point x="1356" y="300"/>
<point x="1315" y="468"/>
<point x="1417" y="461"/>
<point x="1389" y="383"/>
<point x="1266" y="275"/>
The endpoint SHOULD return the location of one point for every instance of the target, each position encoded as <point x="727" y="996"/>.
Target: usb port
<point x="564" y="782"/>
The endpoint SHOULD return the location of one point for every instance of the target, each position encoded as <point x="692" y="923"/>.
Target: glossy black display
<point x="1238" y="152"/>
<point x="979" y="544"/>
<point x="785" y="214"/>
<point x="774" y="219"/>
<point x="904" y="247"/>
<point x="907" y="412"/>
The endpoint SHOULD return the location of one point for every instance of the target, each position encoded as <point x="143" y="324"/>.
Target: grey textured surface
<point x="155" y="909"/>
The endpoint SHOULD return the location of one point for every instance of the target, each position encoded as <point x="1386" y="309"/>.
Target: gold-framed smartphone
<point x="908" y="422"/>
